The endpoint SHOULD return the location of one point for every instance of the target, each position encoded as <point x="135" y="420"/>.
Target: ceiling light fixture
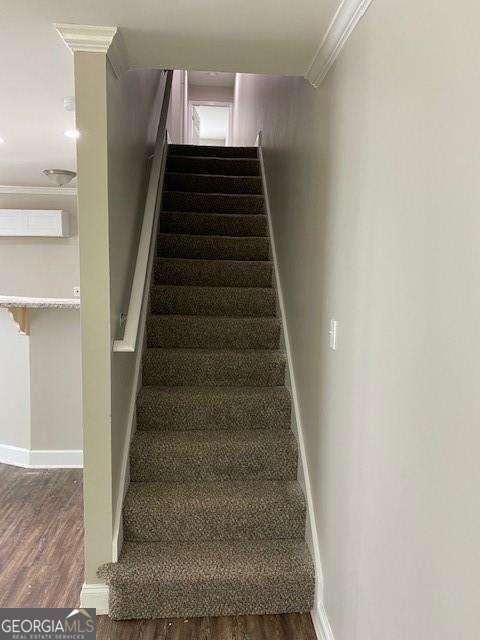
<point x="1" y="140"/>
<point x="73" y="133"/>
<point x="59" y="177"/>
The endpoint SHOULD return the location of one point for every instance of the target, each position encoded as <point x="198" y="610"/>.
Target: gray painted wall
<point x="130" y="110"/>
<point x="40" y="267"/>
<point x="373" y="181"/>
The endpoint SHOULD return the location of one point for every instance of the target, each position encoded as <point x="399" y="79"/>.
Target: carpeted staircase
<point x="214" y="518"/>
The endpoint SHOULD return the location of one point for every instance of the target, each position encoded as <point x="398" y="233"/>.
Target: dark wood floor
<point x="41" y="564"/>
<point x="293" y="626"/>
<point x="41" y="537"/>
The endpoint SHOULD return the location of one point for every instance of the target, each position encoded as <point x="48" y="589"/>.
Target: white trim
<point x="343" y="23"/>
<point x="297" y="423"/>
<point x="321" y="623"/>
<point x="15" y="456"/>
<point x="83" y="37"/>
<point x="41" y="458"/>
<point x="117" y="55"/>
<point x="184" y="136"/>
<point x="211" y="103"/>
<point x="95" y="39"/>
<point x="14" y="190"/>
<point x="95" y="596"/>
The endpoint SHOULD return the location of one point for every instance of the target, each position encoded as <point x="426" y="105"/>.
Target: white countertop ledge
<point x="39" y="303"/>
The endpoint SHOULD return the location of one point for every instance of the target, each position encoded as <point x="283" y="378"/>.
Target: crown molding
<point x="94" y="39"/>
<point x="82" y="37"/>
<point x="17" y="190"/>
<point x="346" y="18"/>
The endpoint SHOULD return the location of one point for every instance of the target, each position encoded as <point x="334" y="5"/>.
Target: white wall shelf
<point x="50" y="223"/>
<point x="19" y="190"/>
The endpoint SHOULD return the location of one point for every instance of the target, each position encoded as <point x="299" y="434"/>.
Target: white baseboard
<point x="297" y="424"/>
<point x="321" y="623"/>
<point x="95" y="596"/>
<point x="41" y="458"/>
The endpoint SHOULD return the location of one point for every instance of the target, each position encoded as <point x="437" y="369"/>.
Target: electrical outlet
<point x="76" y="292"/>
<point x="333" y="334"/>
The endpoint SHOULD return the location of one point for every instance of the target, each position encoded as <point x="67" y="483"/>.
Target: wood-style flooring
<point x="41" y="564"/>
<point x="41" y="537"/>
<point x="294" y="626"/>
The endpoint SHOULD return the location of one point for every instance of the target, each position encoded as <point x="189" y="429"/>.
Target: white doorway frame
<point x="211" y="103"/>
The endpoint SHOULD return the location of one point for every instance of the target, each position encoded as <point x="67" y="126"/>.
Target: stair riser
<point x="212" y="202"/>
<point x="166" y="412"/>
<point x="214" y="224"/>
<point x="205" y="151"/>
<point x="210" y="301"/>
<point x="147" y="520"/>
<point x="214" y="166"/>
<point x="246" y="369"/>
<point x="212" y="247"/>
<point x="213" y="333"/>
<point x="212" y="273"/>
<point x="223" y="599"/>
<point x="241" y="462"/>
<point x="191" y="182"/>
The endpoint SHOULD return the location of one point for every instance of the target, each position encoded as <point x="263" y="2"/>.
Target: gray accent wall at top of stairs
<point x="214" y="517"/>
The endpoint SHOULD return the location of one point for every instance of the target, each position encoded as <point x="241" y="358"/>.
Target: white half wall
<point x="55" y="380"/>
<point x="40" y="390"/>
<point x="14" y="384"/>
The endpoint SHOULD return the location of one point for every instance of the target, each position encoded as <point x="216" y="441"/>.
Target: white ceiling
<point x="213" y="122"/>
<point x="36" y="74"/>
<point x="211" y="79"/>
<point x="36" y="70"/>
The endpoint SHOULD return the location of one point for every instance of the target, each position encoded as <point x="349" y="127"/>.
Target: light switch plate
<point x="333" y="334"/>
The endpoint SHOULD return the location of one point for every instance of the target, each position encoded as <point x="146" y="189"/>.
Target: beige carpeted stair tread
<point x="247" y="368"/>
<point x="214" y="165"/>
<point x="225" y="224"/>
<point x="214" y="247"/>
<point x="206" y="332"/>
<point x="213" y="273"/>
<point x="155" y="579"/>
<point x="217" y="408"/>
<point x="213" y="183"/>
<point x="179" y="456"/>
<point x="195" y="150"/>
<point x="213" y="202"/>
<point x="157" y="511"/>
<point x="213" y="301"/>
